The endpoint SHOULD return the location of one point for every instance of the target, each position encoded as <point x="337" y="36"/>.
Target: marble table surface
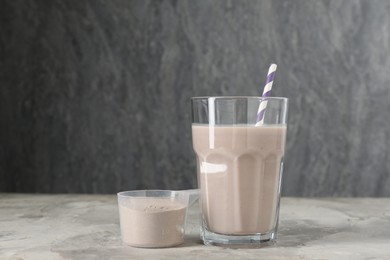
<point x="87" y="227"/>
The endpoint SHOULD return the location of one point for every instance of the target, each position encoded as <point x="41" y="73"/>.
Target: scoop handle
<point x="193" y="196"/>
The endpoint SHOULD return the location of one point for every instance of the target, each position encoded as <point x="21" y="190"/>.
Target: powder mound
<point x="152" y="222"/>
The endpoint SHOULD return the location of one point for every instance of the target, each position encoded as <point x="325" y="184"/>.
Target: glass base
<point x="238" y="241"/>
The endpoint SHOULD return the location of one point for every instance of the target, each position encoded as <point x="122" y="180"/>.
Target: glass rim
<point x="238" y="97"/>
<point x="135" y="193"/>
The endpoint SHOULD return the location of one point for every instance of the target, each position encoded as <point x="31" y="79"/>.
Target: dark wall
<point x="94" y="95"/>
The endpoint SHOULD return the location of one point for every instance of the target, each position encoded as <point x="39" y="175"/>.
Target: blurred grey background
<point x="94" y="95"/>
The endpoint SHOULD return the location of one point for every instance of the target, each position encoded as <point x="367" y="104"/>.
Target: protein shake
<point x="239" y="176"/>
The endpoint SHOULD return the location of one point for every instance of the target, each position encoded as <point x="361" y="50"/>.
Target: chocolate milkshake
<point x="239" y="171"/>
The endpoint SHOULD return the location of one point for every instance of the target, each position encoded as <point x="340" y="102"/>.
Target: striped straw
<point x="266" y="93"/>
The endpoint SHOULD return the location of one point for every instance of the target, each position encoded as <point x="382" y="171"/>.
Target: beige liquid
<point x="152" y="222"/>
<point x="239" y="176"/>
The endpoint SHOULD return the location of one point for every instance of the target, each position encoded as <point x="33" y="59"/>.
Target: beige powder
<point x="239" y="176"/>
<point x="152" y="222"/>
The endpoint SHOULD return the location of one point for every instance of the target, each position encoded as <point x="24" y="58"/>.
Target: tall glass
<point x="239" y="167"/>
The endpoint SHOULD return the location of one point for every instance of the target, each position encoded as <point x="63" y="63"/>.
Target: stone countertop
<point x="87" y="227"/>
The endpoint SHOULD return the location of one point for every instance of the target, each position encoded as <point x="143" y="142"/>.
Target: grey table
<point x="86" y="227"/>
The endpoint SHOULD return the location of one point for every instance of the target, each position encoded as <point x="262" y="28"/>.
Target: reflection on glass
<point x="206" y="167"/>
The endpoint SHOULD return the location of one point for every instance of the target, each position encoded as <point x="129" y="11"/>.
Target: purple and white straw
<point x="266" y="93"/>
